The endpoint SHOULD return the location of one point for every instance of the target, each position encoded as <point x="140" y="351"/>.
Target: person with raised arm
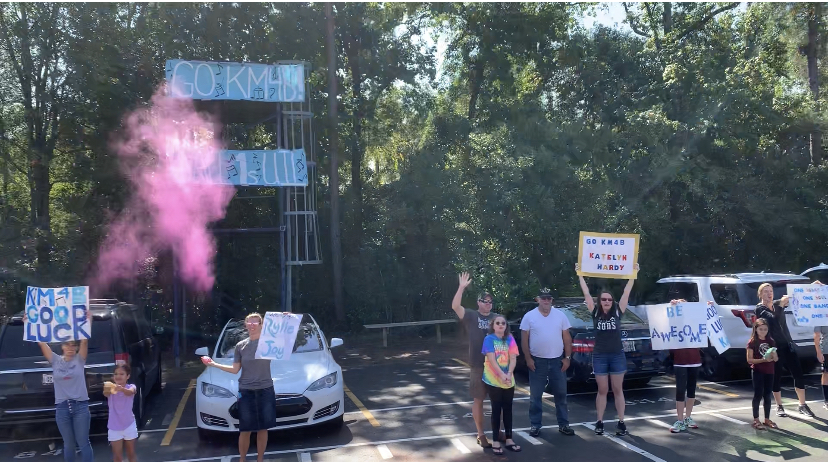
<point x="71" y="396"/>
<point x="476" y="323"/>
<point x="609" y="363"/>
<point x="686" y="363"/>
<point x="257" y="399"/>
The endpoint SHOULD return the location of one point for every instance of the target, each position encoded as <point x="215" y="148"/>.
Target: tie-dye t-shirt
<point x="502" y="348"/>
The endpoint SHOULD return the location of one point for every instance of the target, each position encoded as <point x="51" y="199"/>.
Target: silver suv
<point x="736" y="297"/>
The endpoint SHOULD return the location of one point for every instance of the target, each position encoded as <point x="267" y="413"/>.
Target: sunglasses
<point x="252" y="323"/>
<point x="500" y="323"/>
<point x="606" y="299"/>
<point x="484" y="301"/>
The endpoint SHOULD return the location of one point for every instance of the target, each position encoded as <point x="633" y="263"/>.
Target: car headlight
<point x="325" y="382"/>
<point x="214" y="391"/>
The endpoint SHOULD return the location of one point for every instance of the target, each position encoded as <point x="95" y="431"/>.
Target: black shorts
<point x="257" y="409"/>
<point x="825" y="364"/>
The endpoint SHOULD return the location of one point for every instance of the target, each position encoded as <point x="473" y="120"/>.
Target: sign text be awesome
<point x="608" y="255"/>
<point x="56" y="314"/>
<point x="236" y="81"/>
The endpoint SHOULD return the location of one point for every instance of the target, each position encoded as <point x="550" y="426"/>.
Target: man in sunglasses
<point x="477" y="327"/>
<point x="545" y="335"/>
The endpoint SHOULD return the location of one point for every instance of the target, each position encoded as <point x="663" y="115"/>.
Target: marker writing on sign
<point x="56" y="325"/>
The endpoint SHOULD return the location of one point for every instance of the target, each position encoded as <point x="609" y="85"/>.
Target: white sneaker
<point x="678" y="427"/>
<point x="690" y="423"/>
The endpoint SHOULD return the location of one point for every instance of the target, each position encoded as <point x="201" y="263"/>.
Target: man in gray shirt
<point x="821" y="343"/>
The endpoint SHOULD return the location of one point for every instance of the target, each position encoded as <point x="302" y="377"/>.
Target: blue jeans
<point x="73" y="420"/>
<point x="547" y="370"/>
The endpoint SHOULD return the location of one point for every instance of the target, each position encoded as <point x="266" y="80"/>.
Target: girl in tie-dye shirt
<point x="498" y="373"/>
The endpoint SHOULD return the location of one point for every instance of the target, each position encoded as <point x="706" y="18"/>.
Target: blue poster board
<point x="208" y="80"/>
<point x="269" y="168"/>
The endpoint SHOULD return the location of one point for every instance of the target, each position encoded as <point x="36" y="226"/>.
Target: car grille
<point x="213" y="420"/>
<point x="326" y="411"/>
<point x="285" y="423"/>
<point x="292" y="405"/>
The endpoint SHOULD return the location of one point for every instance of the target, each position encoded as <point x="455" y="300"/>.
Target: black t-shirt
<point x="607" y="330"/>
<point x="777" y="323"/>
<point x="477" y="328"/>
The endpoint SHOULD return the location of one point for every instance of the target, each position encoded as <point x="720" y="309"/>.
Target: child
<point x="122" y="428"/>
<point x="686" y="362"/>
<point x="821" y="343"/>
<point x="761" y="355"/>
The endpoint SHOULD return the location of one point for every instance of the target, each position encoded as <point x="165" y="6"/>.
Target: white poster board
<point x="56" y="314"/>
<point x="278" y="335"/>
<point x="715" y="330"/>
<point x="683" y="325"/>
<point x="605" y="255"/>
<point x="809" y="303"/>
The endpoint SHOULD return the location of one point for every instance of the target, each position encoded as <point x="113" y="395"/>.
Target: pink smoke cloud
<point x="161" y="147"/>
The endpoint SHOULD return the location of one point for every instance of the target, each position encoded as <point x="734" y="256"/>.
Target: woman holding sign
<point x="608" y="358"/>
<point x="71" y="397"/>
<point x="257" y="399"/>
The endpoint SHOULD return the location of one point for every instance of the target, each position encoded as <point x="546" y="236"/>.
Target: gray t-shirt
<point x="477" y="327"/>
<point x="823" y="341"/>
<point x="69" y="379"/>
<point x="255" y="373"/>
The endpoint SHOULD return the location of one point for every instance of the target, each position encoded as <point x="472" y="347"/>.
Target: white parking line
<point x="628" y="445"/>
<point x="384" y="451"/>
<point x="731" y="419"/>
<point x="529" y="438"/>
<point x="460" y="446"/>
<point x="304" y="457"/>
<point x="659" y="423"/>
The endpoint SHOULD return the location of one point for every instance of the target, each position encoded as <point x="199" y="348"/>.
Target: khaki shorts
<point x="477" y="388"/>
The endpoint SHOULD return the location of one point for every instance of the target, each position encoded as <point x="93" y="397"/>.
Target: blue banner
<point x="236" y="81"/>
<point x="271" y="168"/>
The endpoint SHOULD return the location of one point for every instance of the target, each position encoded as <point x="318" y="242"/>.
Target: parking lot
<point x="412" y="404"/>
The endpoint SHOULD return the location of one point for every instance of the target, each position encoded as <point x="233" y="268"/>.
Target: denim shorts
<point x="257" y="409"/>
<point x="609" y="363"/>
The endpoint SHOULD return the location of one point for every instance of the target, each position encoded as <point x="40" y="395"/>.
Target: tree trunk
<point x="336" y="244"/>
<point x="475" y="83"/>
<point x="667" y="17"/>
<point x="815" y="11"/>
<point x="40" y="191"/>
<point x="356" y="151"/>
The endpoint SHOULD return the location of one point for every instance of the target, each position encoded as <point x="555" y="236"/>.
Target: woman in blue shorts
<point x="609" y="364"/>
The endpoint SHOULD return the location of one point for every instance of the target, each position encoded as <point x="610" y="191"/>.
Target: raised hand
<point x="465" y="280"/>
<point x="577" y="267"/>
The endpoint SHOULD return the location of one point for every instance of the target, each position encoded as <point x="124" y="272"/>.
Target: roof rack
<point x="104" y="301"/>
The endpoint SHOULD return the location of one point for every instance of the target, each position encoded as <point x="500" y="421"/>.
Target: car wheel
<point x="714" y="367"/>
<point x="636" y="383"/>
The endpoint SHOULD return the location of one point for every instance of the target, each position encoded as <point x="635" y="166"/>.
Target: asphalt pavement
<point x="414" y="406"/>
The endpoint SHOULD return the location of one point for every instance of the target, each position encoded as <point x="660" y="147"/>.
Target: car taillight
<point x="583" y="346"/>
<point x="121" y="358"/>
<point x="747" y="316"/>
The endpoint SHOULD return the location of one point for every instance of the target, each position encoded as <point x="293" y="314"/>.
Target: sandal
<point x="771" y="424"/>
<point x="513" y="447"/>
<point x="483" y="442"/>
<point x="498" y="451"/>
<point x="758" y="425"/>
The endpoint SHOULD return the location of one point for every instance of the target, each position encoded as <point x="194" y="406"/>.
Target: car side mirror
<point x="203" y="351"/>
<point x="335" y="342"/>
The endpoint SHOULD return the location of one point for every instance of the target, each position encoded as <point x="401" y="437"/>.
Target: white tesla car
<point x="308" y="385"/>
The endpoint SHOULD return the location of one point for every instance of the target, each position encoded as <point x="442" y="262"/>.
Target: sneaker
<point x="690" y="423"/>
<point x="566" y="430"/>
<point x="534" y="431"/>
<point x="621" y="428"/>
<point x="599" y="427"/>
<point x="678" y="427"/>
<point x="780" y="411"/>
<point x="805" y="410"/>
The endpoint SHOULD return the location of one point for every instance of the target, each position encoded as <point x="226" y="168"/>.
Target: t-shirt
<point x="686" y="357"/>
<point x="69" y="379"/>
<point x="777" y="322"/>
<point x="759" y="348"/>
<point x="120" y="410"/>
<point x="255" y="373"/>
<point x="823" y="341"/>
<point x="545" y="340"/>
<point x="477" y="327"/>
<point x="607" y="331"/>
<point x="502" y="349"/>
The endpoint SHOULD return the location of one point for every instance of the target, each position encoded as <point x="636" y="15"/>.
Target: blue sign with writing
<point x="56" y="314"/>
<point x="281" y="167"/>
<point x="208" y="80"/>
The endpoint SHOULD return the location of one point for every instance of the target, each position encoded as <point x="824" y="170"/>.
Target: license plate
<point x="48" y="379"/>
<point x="629" y="346"/>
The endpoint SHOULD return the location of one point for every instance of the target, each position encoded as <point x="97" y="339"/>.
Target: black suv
<point x="120" y="333"/>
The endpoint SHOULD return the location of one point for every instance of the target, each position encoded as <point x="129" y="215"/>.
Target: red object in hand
<point x="206" y="360"/>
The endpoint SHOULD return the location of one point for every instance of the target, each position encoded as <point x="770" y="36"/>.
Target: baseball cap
<point x="485" y="294"/>
<point x="544" y="292"/>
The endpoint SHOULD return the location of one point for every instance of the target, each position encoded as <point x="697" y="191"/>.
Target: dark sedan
<point x="643" y="362"/>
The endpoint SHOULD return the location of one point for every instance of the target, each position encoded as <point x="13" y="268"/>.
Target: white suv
<point x="736" y="298"/>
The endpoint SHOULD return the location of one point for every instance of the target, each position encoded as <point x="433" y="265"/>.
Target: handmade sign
<point x="236" y="81"/>
<point x="56" y="314"/>
<point x="278" y="335"/>
<point x="715" y="330"/>
<point x="270" y="168"/>
<point x="683" y="325"/>
<point x="605" y="255"/>
<point x="809" y="303"/>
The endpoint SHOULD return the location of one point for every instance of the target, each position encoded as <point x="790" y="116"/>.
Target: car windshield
<point x="307" y="340"/>
<point x="580" y="317"/>
<point x="746" y="293"/>
<point x="13" y="346"/>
